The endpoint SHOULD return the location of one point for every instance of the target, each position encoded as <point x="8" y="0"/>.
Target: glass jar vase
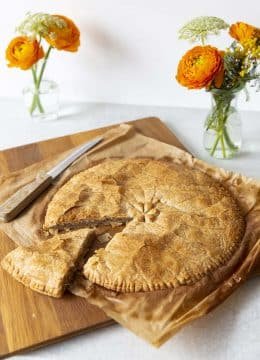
<point x="222" y="130"/>
<point x="43" y="102"/>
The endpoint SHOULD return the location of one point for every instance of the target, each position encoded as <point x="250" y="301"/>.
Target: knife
<point x="25" y="195"/>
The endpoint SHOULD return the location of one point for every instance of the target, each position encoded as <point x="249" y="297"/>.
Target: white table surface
<point x="232" y="331"/>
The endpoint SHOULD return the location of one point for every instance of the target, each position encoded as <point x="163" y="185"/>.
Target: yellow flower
<point x="23" y="52"/>
<point x="243" y="72"/>
<point x="248" y="36"/>
<point x="64" y="38"/>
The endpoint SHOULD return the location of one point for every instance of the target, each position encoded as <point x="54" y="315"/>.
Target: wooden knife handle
<point x="23" y="197"/>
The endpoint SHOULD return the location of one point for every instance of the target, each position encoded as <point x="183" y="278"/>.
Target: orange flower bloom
<point x="219" y="78"/>
<point x="243" y="32"/>
<point x="199" y="66"/>
<point x="66" y="38"/>
<point x="23" y="52"/>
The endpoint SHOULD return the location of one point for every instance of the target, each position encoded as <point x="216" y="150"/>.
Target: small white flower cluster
<point x="199" y="28"/>
<point x="39" y="24"/>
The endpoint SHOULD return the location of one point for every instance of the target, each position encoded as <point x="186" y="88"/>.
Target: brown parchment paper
<point x="155" y="316"/>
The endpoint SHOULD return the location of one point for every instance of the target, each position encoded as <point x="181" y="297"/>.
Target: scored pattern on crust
<point x="183" y="224"/>
<point x="48" y="267"/>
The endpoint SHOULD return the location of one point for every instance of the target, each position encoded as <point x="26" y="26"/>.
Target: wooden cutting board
<point x="27" y="319"/>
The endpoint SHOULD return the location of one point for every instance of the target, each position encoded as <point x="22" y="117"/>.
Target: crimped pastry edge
<point x="8" y="265"/>
<point x="38" y="286"/>
<point x="184" y="280"/>
<point x="136" y="286"/>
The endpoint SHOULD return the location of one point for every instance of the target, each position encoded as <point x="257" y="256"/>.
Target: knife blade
<point x="26" y="194"/>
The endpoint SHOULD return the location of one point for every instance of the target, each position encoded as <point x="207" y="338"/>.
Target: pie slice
<point x="49" y="266"/>
<point x="88" y="199"/>
<point x="180" y="225"/>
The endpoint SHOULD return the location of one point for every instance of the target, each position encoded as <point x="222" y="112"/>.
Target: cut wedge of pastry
<point x="180" y="224"/>
<point x="49" y="266"/>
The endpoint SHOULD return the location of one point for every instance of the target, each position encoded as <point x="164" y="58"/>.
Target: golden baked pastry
<point x="49" y="266"/>
<point x="180" y="224"/>
<point x="87" y="198"/>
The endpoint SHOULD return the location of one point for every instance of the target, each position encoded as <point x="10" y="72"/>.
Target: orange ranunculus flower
<point x="199" y="66"/>
<point x="66" y="38"/>
<point x="219" y="78"/>
<point x="23" y="52"/>
<point x="243" y="32"/>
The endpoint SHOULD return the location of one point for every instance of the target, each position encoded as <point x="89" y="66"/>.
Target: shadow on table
<point x="76" y="110"/>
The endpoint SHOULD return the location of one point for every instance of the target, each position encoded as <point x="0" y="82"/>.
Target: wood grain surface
<point x="28" y="319"/>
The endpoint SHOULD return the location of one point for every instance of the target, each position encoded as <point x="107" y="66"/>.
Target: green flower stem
<point x="214" y="146"/>
<point x="43" y="66"/>
<point x="34" y="71"/>
<point x="223" y="146"/>
<point x="228" y="140"/>
<point x="217" y="123"/>
<point x="223" y="137"/>
<point x="33" y="105"/>
<point x="210" y="123"/>
<point x="37" y="83"/>
<point x="36" y="99"/>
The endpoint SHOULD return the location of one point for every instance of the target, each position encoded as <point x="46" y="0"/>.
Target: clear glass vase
<point x="43" y="102"/>
<point x="222" y="130"/>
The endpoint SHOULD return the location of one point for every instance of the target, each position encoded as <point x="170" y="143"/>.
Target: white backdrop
<point x="129" y="50"/>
